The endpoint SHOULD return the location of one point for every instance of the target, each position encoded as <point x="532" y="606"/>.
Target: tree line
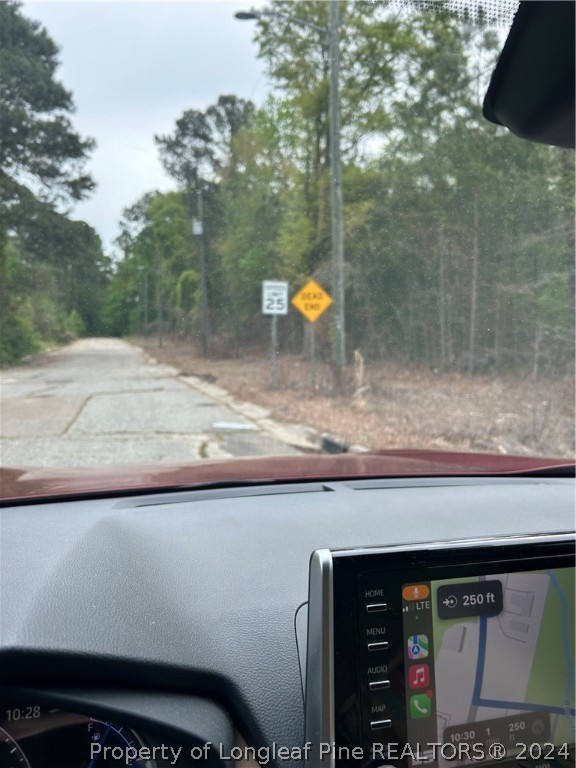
<point x="458" y="237"/>
<point x="52" y="269"/>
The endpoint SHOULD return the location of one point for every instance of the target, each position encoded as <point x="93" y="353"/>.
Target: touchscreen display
<point x="456" y="654"/>
<point x="489" y="666"/>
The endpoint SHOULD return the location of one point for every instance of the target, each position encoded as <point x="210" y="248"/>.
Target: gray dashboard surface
<point x="198" y="592"/>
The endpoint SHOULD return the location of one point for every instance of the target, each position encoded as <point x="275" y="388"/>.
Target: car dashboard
<point x="174" y="628"/>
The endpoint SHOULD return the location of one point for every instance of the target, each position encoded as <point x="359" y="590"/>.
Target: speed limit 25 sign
<point x="274" y="297"/>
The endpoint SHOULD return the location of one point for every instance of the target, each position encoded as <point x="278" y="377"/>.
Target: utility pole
<point x="144" y="321"/>
<point x="145" y="300"/>
<point x="159" y="297"/>
<point x="198" y="229"/>
<point x="339" y="346"/>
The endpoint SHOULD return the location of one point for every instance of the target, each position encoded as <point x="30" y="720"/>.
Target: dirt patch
<point x="390" y="406"/>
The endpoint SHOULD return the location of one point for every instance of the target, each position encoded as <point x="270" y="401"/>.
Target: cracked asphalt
<point x="102" y="401"/>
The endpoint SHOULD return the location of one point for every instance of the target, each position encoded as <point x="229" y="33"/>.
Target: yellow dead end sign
<point x="312" y="301"/>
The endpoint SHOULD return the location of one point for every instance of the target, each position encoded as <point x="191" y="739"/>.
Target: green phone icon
<point x="420" y="706"/>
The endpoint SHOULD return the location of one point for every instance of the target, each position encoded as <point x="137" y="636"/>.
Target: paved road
<point x="102" y="401"/>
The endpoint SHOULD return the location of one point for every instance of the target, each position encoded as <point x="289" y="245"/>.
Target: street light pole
<point x="332" y="35"/>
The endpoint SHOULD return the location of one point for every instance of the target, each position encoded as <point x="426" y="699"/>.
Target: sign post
<point x="274" y="303"/>
<point x="312" y="301"/>
<point x="313" y="357"/>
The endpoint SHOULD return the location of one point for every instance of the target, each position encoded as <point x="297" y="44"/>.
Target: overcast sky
<point x="133" y="68"/>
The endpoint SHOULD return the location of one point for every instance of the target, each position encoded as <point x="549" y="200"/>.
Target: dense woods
<point x="52" y="269"/>
<point x="458" y="237"/>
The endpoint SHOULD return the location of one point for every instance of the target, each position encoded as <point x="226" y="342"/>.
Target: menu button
<point x="378" y="646"/>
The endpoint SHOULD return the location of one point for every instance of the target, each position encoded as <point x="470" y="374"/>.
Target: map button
<point x="377" y="725"/>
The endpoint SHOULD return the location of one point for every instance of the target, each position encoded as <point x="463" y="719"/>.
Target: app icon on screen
<point x="416" y="592"/>
<point x="418" y="646"/>
<point x="420" y="706"/>
<point x="418" y="676"/>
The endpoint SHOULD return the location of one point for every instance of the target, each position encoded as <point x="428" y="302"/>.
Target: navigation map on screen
<point x="490" y="660"/>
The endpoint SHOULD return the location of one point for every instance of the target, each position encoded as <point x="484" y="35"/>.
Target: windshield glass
<point x="274" y="229"/>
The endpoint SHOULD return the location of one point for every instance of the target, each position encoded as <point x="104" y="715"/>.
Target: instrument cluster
<point x="35" y="736"/>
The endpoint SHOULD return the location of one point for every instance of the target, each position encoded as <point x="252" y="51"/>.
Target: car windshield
<point x="274" y="229"/>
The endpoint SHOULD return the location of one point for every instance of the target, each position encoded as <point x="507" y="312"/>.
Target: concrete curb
<point x="295" y="435"/>
<point x="303" y="438"/>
